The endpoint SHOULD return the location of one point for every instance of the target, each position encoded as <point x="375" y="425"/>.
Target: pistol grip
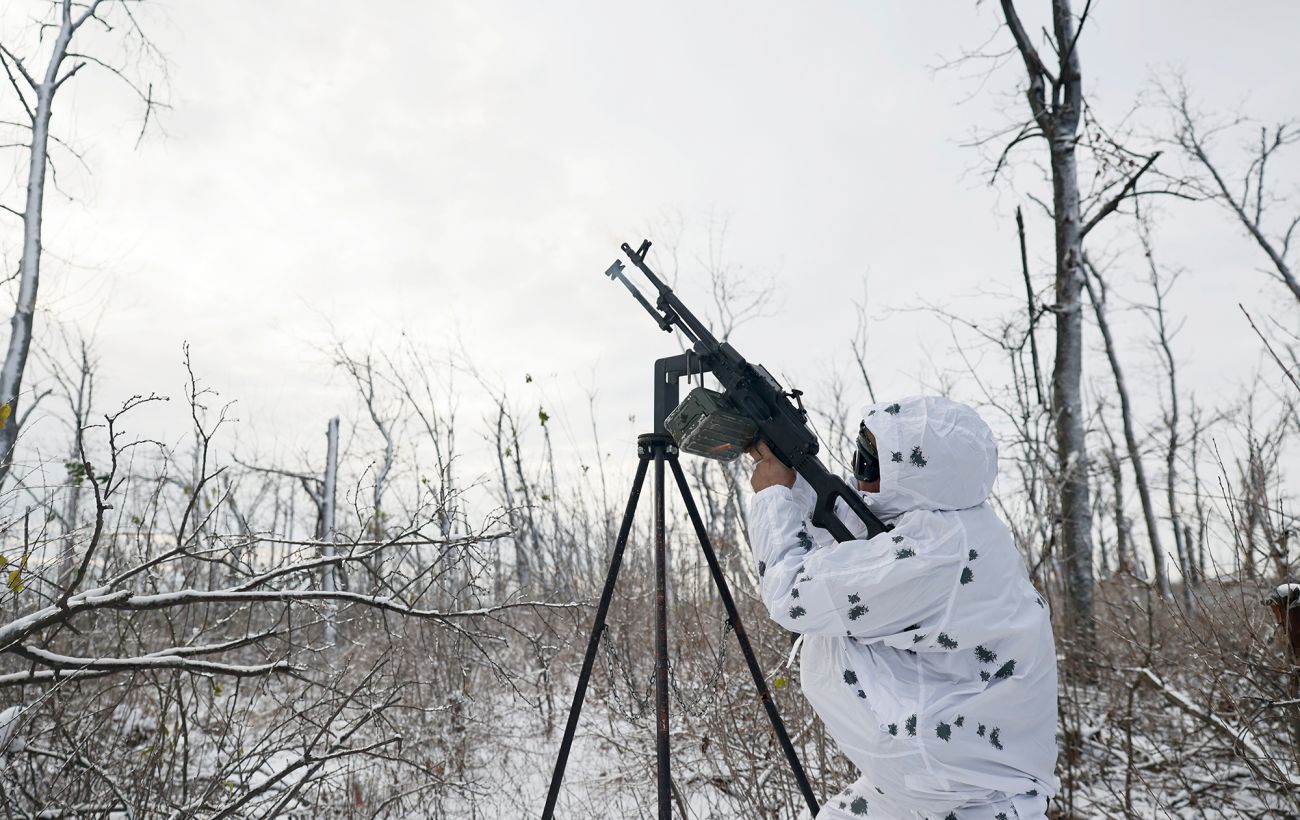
<point x="824" y="514"/>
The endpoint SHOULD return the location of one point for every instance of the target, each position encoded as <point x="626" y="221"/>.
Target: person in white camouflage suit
<point x="926" y="651"/>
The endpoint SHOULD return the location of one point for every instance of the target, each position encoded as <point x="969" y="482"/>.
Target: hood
<point x="935" y="454"/>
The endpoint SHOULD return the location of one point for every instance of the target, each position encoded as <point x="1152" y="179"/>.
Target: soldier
<point x="926" y="651"/>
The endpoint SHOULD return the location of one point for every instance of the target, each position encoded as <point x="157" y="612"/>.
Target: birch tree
<point x="36" y="89"/>
<point x="1054" y="94"/>
<point x="1057" y="117"/>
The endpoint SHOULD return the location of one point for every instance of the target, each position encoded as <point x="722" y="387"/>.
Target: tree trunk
<point x="1057" y="117"/>
<point x="29" y="268"/>
<point x="1067" y="395"/>
<point x="1130" y="437"/>
<point x="1122" y="564"/>
<point x="1198" y="499"/>
<point x="1251" y="502"/>
<point x="1182" y="547"/>
<point x="523" y="563"/>
<point x="327" y="582"/>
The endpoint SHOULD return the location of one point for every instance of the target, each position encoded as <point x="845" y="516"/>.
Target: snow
<point x="1289" y="593"/>
<point x="9" y="724"/>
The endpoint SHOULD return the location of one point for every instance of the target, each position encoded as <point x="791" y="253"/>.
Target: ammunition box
<point x="706" y="424"/>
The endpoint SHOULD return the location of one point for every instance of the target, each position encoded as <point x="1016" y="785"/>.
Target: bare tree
<point x="1252" y="198"/>
<point x="1160" y="286"/>
<point x="436" y="415"/>
<point x="36" y="90"/>
<point x="1263" y="523"/>
<point x="1056" y="103"/>
<point x="1097" y="295"/>
<point x="329" y="527"/>
<point x="1057" y="119"/>
<point x="858" y="344"/>
<point x="1123" y="534"/>
<point x="135" y="630"/>
<point x="78" y="390"/>
<point x="363" y="375"/>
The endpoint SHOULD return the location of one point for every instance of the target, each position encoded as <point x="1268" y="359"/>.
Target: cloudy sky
<point x="463" y="173"/>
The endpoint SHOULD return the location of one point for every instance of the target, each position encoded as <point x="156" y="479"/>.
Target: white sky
<point x="469" y="169"/>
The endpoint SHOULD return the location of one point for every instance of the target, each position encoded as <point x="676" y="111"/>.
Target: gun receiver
<point x="752" y="407"/>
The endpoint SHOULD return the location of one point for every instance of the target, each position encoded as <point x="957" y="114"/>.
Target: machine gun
<point x="753" y="406"/>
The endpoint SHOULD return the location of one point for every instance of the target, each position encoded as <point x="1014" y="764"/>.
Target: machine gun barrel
<point x="674" y="310"/>
<point x="616" y="272"/>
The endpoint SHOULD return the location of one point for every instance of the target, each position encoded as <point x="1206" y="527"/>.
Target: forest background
<point x="275" y="215"/>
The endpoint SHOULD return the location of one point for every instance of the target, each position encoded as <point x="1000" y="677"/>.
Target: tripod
<point x="660" y="449"/>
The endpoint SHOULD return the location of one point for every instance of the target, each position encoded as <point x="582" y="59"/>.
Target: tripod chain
<point x="710" y="687"/>
<point x="632" y="708"/>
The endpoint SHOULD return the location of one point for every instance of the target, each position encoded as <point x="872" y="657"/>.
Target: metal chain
<point x="632" y="708"/>
<point x="709" y="687"/>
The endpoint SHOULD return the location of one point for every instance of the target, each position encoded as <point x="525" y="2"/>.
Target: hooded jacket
<point x="927" y="652"/>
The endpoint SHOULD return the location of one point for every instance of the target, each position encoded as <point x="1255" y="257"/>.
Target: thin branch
<point x="1029" y="302"/>
<point x="61" y="662"/>
<point x="1115" y="201"/>
<point x="1286" y="370"/>
<point x="18" y="63"/>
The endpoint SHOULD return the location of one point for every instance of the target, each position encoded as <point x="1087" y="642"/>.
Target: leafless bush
<point x="169" y="655"/>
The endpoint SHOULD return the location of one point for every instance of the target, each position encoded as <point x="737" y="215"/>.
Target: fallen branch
<point x="1243" y="739"/>
<point x="102" y="598"/>
<point x="151" y="661"/>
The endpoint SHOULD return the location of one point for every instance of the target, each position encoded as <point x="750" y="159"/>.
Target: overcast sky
<point x="468" y="170"/>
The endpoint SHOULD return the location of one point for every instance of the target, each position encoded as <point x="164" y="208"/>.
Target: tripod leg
<point x="589" y="659"/>
<point x="733" y="618"/>
<point x="661" y="643"/>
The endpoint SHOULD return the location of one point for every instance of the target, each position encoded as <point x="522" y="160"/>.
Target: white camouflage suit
<point x="927" y="652"/>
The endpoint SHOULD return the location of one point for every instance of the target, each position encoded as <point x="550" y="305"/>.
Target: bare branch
<point x="10" y="57"/>
<point x="1285" y="370"/>
<point x="1114" y="203"/>
<point x="66" y="662"/>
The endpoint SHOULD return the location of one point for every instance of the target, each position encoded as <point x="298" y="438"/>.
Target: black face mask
<point x="866" y="462"/>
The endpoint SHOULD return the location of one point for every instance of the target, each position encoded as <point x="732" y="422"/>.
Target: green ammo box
<point x="706" y="424"/>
